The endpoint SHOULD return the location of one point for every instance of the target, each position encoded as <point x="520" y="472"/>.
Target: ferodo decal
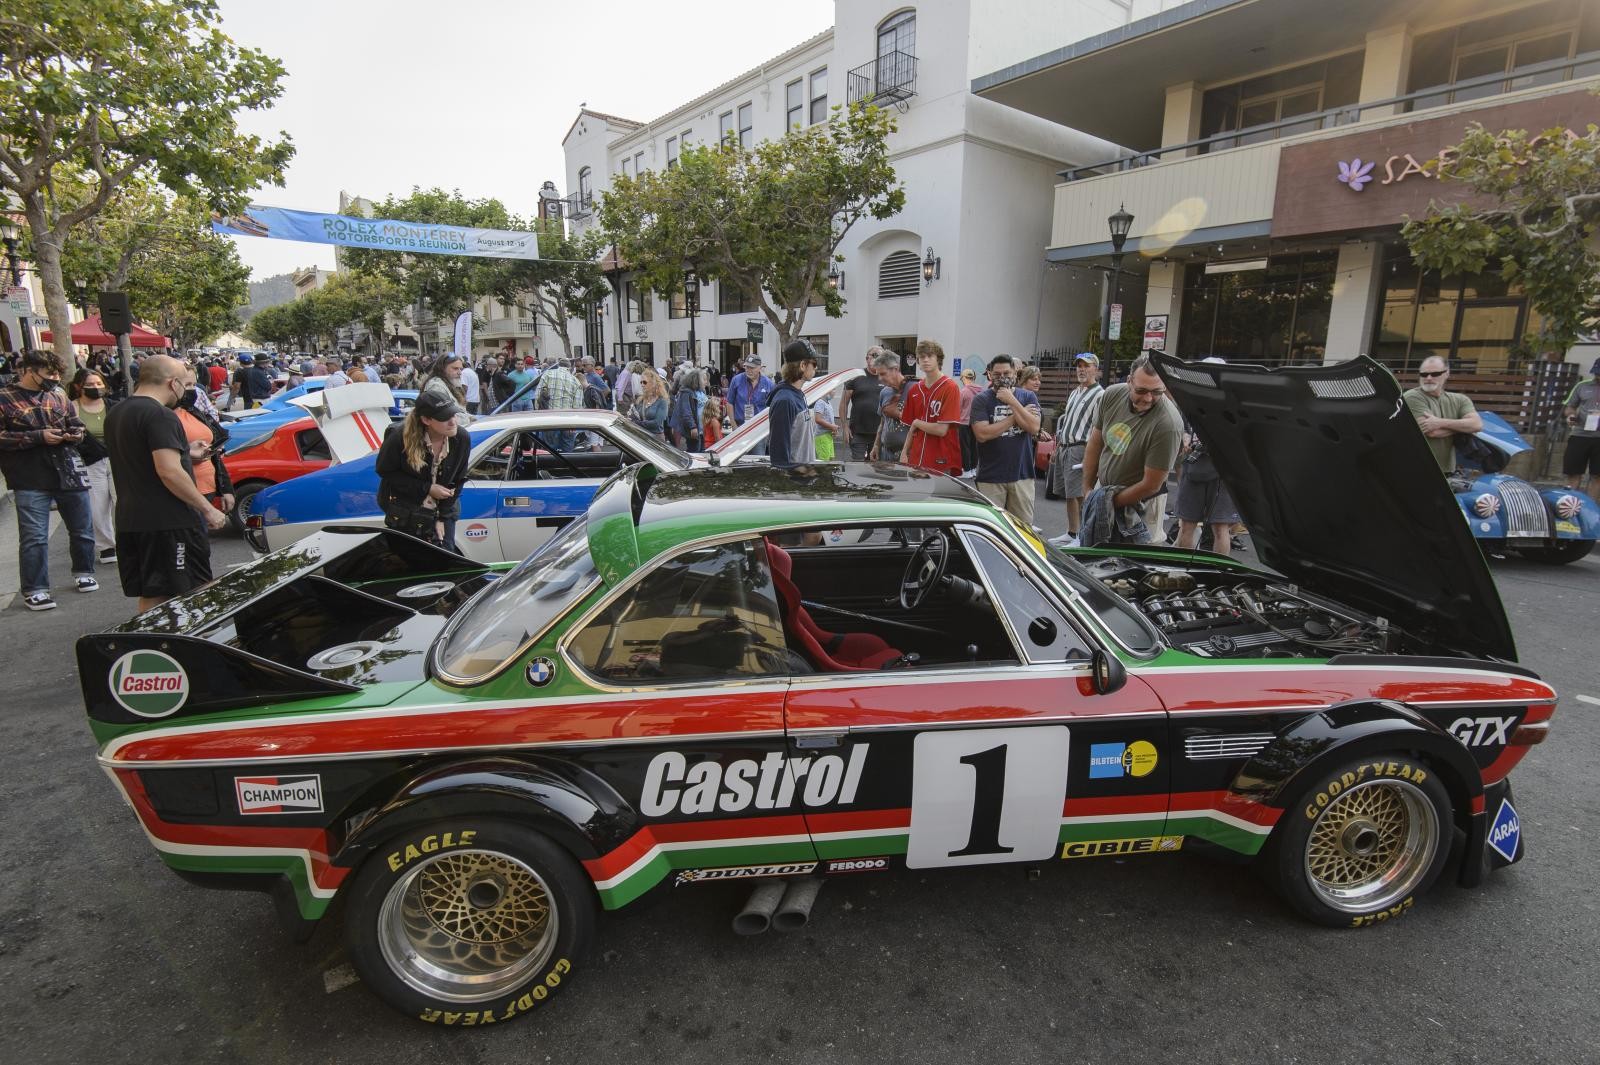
<point x="1102" y="848"/>
<point x="430" y="844"/>
<point x="149" y="683"/>
<point x="674" y="786"/>
<point x="279" y="795"/>
<point x="1383" y="915"/>
<point x="521" y="1004"/>
<point x="1365" y="771"/>
<point x="1136" y="759"/>
<point x="743" y="872"/>
<point x="1481" y="731"/>
<point x="856" y="865"/>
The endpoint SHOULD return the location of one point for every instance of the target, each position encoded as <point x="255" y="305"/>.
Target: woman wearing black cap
<point x="421" y="468"/>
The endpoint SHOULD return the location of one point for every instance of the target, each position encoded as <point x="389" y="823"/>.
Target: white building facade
<point x="978" y="178"/>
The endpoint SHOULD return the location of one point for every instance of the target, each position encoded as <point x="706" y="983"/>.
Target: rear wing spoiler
<point x="353" y="418"/>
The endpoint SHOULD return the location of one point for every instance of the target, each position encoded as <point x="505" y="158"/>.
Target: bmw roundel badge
<point x="541" y="671"/>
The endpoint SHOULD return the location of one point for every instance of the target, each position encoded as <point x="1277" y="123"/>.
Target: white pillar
<point x="1355" y="301"/>
<point x="1385" y="68"/>
<point x="1164" y="295"/>
<point x="1180" y="123"/>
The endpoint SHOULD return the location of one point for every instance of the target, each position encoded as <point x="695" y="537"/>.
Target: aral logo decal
<point x="1506" y="831"/>
<point x="674" y="786"/>
<point x="149" y="683"/>
<point x="279" y="795"/>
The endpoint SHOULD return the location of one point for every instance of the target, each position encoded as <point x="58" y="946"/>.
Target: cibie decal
<point x="1482" y="731"/>
<point x="279" y="795"/>
<point x="1136" y="759"/>
<point x="476" y="531"/>
<point x="742" y="872"/>
<point x="541" y="671"/>
<point x="674" y="786"/>
<point x="1102" y="848"/>
<point x="149" y="683"/>
<point x="1506" y="831"/>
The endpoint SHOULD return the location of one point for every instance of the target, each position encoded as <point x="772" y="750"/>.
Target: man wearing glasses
<point x="1440" y="414"/>
<point x="1131" y="448"/>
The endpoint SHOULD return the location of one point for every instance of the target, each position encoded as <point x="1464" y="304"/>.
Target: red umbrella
<point x="91" y="333"/>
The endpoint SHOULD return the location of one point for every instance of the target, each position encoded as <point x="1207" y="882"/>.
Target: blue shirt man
<point x="749" y="392"/>
<point x="1005" y="421"/>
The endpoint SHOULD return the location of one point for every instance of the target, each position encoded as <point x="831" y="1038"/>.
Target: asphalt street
<point x="1179" y="958"/>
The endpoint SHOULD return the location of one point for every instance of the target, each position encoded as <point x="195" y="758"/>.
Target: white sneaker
<point x="1064" y="540"/>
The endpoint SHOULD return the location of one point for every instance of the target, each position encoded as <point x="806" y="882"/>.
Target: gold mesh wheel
<point x="1371" y="846"/>
<point x="468" y="925"/>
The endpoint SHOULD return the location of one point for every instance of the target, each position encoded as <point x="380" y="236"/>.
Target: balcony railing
<point x="1579" y="66"/>
<point x="891" y="78"/>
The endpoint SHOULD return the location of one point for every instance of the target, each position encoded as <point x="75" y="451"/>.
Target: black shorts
<point x="1582" y="451"/>
<point x="163" y="562"/>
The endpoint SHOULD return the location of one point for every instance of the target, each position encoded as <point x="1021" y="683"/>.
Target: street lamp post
<point x="1120" y="223"/>
<point x="9" y="235"/>
<point x="691" y="305"/>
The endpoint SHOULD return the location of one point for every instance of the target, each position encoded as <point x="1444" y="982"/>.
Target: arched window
<point x="898" y="33"/>
<point x="899" y="276"/>
<point x="583" y="187"/>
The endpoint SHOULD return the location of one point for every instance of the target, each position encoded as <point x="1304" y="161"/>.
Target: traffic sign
<point x="1115" y="333"/>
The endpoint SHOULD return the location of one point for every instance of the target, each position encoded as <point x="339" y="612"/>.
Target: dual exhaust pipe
<point x="777" y="904"/>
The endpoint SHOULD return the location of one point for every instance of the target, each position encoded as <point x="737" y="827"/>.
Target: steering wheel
<point x="924" y="571"/>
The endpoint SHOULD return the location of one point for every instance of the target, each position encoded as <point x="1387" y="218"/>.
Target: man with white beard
<point x="1440" y="414"/>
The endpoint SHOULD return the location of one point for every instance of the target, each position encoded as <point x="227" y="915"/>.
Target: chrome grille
<point x="1525" y="514"/>
<point x="1347" y="388"/>
<point x="1240" y="745"/>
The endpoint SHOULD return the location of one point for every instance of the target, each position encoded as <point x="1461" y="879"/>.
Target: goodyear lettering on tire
<point x="521" y="1004"/>
<point x="1363" y="772"/>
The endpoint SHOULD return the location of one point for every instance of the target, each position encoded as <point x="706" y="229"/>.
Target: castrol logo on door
<point x="149" y="683"/>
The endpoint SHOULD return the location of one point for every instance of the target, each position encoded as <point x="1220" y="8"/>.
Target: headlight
<point x="1487" y="505"/>
<point x="1568" y="506"/>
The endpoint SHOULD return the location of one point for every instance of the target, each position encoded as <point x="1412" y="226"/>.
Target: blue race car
<point x="531" y="472"/>
<point x="1506" y="513"/>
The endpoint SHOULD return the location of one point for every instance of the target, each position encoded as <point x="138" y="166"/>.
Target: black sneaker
<point x="39" y="601"/>
<point x="88" y="584"/>
<point x="108" y="556"/>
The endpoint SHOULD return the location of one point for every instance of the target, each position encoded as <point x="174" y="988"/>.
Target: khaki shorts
<point x="1014" y="497"/>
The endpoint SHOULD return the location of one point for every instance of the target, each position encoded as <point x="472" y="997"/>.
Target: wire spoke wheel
<point x="1371" y="846"/>
<point x="468" y="925"/>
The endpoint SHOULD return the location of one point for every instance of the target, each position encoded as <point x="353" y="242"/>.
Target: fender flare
<point x="1280" y="771"/>
<point x="575" y="808"/>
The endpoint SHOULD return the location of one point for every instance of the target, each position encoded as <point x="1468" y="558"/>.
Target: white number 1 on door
<point x="980" y="796"/>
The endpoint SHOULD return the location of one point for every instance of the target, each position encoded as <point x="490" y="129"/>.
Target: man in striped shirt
<point x="1072" y="436"/>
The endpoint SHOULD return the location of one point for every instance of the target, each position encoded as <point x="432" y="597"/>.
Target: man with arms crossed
<point x="1440" y="414"/>
<point x="162" y="546"/>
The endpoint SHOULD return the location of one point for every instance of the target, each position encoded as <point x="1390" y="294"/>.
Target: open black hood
<point x="1342" y="495"/>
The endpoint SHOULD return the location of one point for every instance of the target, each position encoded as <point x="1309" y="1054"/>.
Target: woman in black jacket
<point x="421" y="468"/>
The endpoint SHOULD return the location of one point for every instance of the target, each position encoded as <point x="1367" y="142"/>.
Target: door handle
<point x="816" y="741"/>
<point x="517" y="501"/>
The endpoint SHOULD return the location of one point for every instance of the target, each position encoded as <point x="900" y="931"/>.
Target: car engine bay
<point x="1216" y="613"/>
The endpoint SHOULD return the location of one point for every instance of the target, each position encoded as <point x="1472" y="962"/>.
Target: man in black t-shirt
<point x="162" y="517"/>
<point x="859" y="410"/>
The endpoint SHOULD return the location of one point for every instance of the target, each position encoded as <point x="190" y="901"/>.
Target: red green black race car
<point x="778" y="676"/>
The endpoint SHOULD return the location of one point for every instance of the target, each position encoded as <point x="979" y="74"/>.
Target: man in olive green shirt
<point x="1135" y="438"/>
<point x="1440" y="414"/>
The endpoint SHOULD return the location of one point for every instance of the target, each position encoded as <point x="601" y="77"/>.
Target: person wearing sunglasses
<point x="1131" y="448"/>
<point x="1440" y="414"/>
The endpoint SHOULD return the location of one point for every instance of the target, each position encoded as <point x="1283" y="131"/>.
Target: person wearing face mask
<point x="91" y="401"/>
<point x="162" y="516"/>
<point x="200" y="425"/>
<point x="39" y="434"/>
<point x="1005" y="419"/>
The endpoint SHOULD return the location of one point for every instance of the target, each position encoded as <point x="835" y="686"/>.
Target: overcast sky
<point x="476" y="94"/>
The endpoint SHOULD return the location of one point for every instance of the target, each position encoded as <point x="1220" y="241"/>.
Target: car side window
<point x="312" y="445"/>
<point x="1041" y="630"/>
<point x="707" y="614"/>
<point x="492" y="464"/>
<point x="564" y="455"/>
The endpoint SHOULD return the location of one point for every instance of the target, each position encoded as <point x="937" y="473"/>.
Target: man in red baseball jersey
<point x="933" y="413"/>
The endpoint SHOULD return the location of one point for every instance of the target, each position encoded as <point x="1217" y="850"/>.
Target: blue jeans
<point x="33" y="535"/>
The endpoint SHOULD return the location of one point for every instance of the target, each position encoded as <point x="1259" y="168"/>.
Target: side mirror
<point x="1107" y="672"/>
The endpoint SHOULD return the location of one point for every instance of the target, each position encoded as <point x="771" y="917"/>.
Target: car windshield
<point x="648" y="447"/>
<point x="517" y="608"/>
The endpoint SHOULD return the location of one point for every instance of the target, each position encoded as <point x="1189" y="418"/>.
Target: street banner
<point x="464" y="334"/>
<point x="421" y="238"/>
<point x="1155" y="332"/>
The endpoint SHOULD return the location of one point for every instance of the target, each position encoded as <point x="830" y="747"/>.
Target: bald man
<point x="1441" y="414"/>
<point x="163" y="549"/>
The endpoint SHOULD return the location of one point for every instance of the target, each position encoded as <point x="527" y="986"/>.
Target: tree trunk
<point x="47" y="260"/>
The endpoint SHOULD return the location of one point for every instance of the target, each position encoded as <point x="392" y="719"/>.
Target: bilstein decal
<point x="672" y="785"/>
<point x="149" y="683"/>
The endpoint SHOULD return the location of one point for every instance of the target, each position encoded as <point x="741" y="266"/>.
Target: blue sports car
<point x="1554" y="525"/>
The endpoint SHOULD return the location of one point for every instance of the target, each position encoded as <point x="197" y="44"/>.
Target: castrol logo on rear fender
<point x="149" y="683"/>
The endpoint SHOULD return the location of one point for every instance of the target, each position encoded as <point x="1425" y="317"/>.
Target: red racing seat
<point x="846" y="652"/>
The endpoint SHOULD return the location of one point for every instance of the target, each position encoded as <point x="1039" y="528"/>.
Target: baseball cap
<point x="247" y="360"/>
<point x="753" y="360"/>
<point x="529" y="360"/>
<point x="433" y="405"/>
<point x="799" y="350"/>
<point x="1596" y="367"/>
<point x="1087" y="356"/>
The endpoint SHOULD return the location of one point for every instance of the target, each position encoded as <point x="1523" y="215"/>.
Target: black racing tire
<point x="242" y="495"/>
<point x="1563" y="552"/>
<point x="1361" y="841"/>
<point x="469" y="921"/>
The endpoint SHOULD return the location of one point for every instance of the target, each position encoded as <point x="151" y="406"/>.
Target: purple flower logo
<point x="1355" y="173"/>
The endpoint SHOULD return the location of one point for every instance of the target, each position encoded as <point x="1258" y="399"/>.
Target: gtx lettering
<point x="672" y="785"/>
<point x="1481" y="731"/>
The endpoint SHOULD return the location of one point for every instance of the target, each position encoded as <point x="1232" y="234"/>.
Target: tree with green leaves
<point x="766" y="220"/>
<point x="115" y="90"/>
<point x="559" y="285"/>
<point x="1538" y="231"/>
<point x="273" y="325"/>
